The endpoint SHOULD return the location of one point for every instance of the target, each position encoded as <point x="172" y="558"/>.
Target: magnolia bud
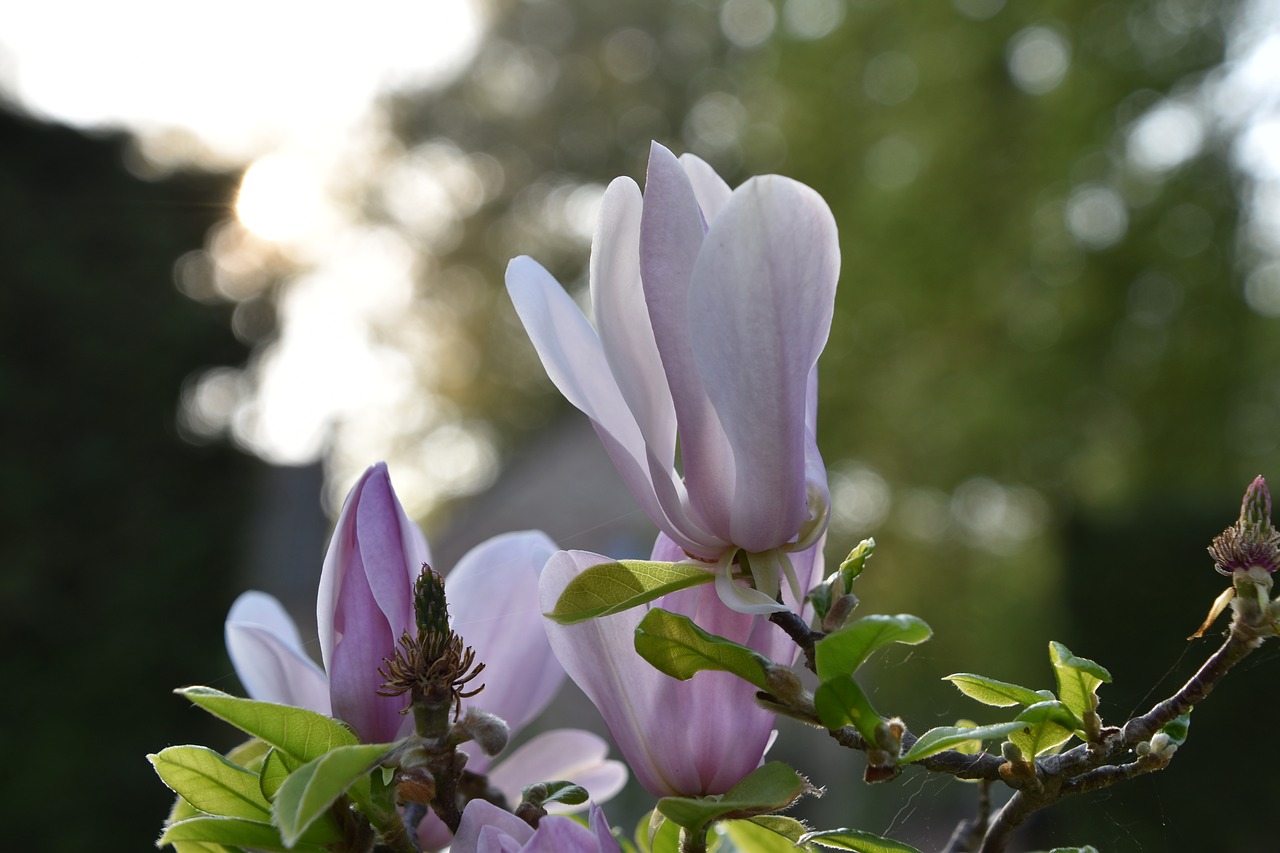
<point x="490" y="732"/>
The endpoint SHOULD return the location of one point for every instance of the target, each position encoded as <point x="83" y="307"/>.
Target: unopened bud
<point x="1256" y="507"/>
<point x="1011" y="752"/>
<point x="839" y="613"/>
<point x="783" y="683"/>
<point x="489" y="731"/>
<point x="1162" y="745"/>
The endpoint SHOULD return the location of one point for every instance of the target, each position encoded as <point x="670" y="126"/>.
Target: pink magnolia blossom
<point x="710" y="309"/>
<point x="680" y="738"/>
<point x="365" y="604"/>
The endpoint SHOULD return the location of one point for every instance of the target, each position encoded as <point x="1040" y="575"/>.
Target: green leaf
<point x="1178" y="728"/>
<point x="1045" y="726"/>
<point x="764" y="834"/>
<point x="853" y="564"/>
<point x="946" y="737"/>
<point x="308" y="792"/>
<point x="302" y="734"/>
<point x="840" y="702"/>
<point x="556" y="792"/>
<point x="210" y="782"/>
<point x="766" y="789"/>
<point x="1001" y="694"/>
<point x="233" y="832"/>
<point x="276" y="765"/>
<point x="182" y="810"/>
<point x="656" y="834"/>
<point x="844" y="651"/>
<point x="1078" y="678"/>
<point x="856" y="839"/>
<point x="614" y="587"/>
<point x="679" y="648"/>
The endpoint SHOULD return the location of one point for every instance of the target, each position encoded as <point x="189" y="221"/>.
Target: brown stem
<point x="801" y="633"/>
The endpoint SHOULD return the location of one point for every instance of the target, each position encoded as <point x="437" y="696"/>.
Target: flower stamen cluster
<point x="434" y="667"/>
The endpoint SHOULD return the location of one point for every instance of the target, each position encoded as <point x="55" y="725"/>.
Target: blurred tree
<point x="1040" y="334"/>
<point x="121" y="539"/>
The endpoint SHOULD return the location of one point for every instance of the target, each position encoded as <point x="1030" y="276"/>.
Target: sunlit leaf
<point x="853" y="564"/>
<point x="841" y="702"/>
<point x="1178" y="728"/>
<point x="844" y="651"/>
<point x="1000" y="694"/>
<point x="656" y="834"/>
<point x="679" y="648"/>
<point x="232" y="832"/>
<point x="1045" y="726"/>
<point x="276" y="765"/>
<point x="614" y="587"/>
<point x="946" y="737"/>
<point x="210" y="782"/>
<point x="301" y="733"/>
<point x="856" y="839"/>
<point x="309" y="791"/>
<point x="182" y="810"/>
<point x="765" y="834"/>
<point x="769" y="788"/>
<point x="1078" y="678"/>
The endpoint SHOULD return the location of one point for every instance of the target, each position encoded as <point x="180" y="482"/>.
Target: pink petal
<point x="687" y="738"/>
<point x="562" y="835"/>
<point x="671" y="237"/>
<point x="483" y="824"/>
<point x="763" y="294"/>
<point x="576" y="363"/>
<point x="267" y="654"/>
<point x="573" y="754"/>
<point x="711" y="190"/>
<point x="493" y="595"/>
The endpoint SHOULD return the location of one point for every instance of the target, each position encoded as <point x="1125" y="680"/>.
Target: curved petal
<point x="493" y="600"/>
<point x="575" y="362"/>
<point x="622" y="319"/>
<point x="481" y="822"/>
<point x="432" y="833"/>
<point x="572" y="754"/>
<point x="763" y="294"/>
<point x="267" y="654"/>
<point x="685" y="738"/>
<point x="561" y="835"/>
<point x="711" y="190"/>
<point x="671" y="238"/>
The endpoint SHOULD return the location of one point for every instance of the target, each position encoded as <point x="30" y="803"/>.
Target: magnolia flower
<point x="681" y="738"/>
<point x="711" y="308"/>
<point x="486" y="828"/>
<point x="365" y="604"/>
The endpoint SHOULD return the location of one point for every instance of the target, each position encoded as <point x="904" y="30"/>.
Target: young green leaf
<point x="237" y="833"/>
<point x="844" y="651"/>
<point x="945" y="737"/>
<point x="765" y="834"/>
<point x="1000" y="694"/>
<point x="656" y="834"/>
<point x="674" y="645"/>
<point x="614" y="587"/>
<point x="1045" y="726"/>
<point x="1178" y="728"/>
<point x="303" y="734"/>
<point x="276" y="766"/>
<point x="308" y="792"/>
<point x="210" y="782"/>
<point x="852" y="565"/>
<point x="769" y="788"/>
<point x="840" y="701"/>
<point x="555" y="792"/>
<point x="856" y="839"/>
<point x="182" y="810"/>
<point x="1078" y="678"/>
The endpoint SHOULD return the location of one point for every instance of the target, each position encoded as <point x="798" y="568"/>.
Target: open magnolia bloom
<point x="680" y="738"/>
<point x="710" y="309"/>
<point x="366" y="603"/>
